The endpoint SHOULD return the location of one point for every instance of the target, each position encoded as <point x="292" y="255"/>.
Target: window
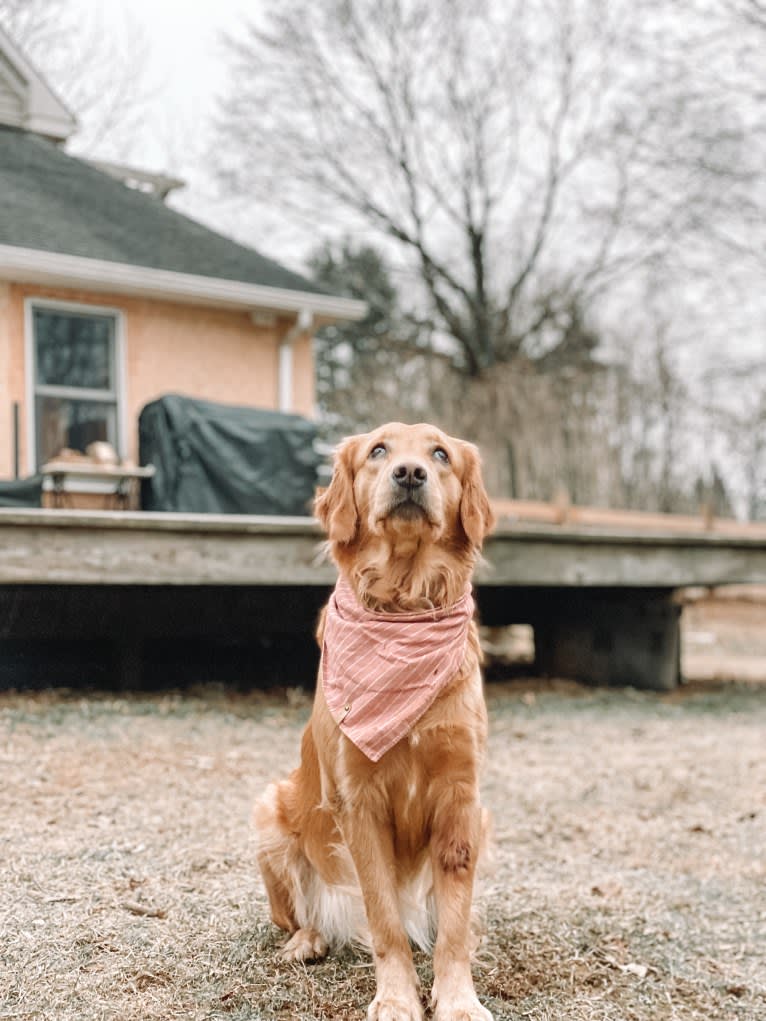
<point x="75" y="378"/>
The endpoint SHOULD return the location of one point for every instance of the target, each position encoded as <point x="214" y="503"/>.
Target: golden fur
<point x="385" y="853"/>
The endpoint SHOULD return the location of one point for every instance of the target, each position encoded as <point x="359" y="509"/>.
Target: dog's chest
<point x="410" y="812"/>
<point x="410" y="787"/>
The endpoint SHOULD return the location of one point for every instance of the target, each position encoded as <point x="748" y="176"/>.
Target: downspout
<point x="302" y="325"/>
<point x="16" y="434"/>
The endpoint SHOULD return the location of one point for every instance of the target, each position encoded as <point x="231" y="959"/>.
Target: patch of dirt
<point x="629" y="878"/>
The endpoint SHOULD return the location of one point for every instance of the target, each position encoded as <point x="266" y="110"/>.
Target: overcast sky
<point x="185" y="76"/>
<point x="185" y="60"/>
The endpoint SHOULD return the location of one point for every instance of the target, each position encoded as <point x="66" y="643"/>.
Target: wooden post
<point x="611" y="638"/>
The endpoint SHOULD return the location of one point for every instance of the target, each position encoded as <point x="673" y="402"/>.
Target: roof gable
<point x="26" y="99"/>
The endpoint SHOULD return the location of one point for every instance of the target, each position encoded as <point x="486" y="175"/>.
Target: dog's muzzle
<point x="409" y="490"/>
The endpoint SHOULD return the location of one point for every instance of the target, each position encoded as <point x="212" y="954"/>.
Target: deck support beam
<point x="624" y="638"/>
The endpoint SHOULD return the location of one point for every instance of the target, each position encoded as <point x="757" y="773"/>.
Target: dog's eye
<point x="379" y="450"/>
<point x="441" y="455"/>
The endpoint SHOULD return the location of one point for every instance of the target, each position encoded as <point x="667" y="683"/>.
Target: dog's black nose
<point x="409" y="476"/>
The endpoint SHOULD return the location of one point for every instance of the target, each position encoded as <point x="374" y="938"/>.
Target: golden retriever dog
<point x="374" y="838"/>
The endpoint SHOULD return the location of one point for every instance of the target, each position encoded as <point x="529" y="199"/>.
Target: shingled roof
<point x="53" y="202"/>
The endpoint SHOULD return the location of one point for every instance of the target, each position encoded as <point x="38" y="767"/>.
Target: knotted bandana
<point x="382" y="671"/>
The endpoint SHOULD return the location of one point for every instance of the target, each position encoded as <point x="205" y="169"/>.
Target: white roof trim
<point x="31" y="265"/>
<point x="43" y="111"/>
<point x="147" y="181"/>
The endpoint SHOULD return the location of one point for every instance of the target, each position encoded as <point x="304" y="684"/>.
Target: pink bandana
<point x="382" y="671"/>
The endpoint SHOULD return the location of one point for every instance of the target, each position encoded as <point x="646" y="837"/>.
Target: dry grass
<point x="630" y="879"/>
<point x="629" y="883"/>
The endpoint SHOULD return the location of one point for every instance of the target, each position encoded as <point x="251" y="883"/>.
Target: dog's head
<point x="405" y="482"/>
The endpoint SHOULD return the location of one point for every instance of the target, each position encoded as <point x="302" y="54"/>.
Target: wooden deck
<point x="117" y="548"/>
<point x="600" y="595"/>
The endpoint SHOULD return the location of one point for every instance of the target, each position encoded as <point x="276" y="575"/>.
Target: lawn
<point x="629" y="879"/>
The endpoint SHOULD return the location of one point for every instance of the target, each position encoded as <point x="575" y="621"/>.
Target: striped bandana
<point x="382" y="671"/>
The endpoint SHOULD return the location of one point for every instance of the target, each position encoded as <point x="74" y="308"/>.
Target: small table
<point x="124" y="478"/>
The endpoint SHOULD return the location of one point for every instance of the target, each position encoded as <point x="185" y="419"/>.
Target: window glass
<point x="75" y="380"/>
<point x="66" y="423"/>
<point x="74" y="349"/>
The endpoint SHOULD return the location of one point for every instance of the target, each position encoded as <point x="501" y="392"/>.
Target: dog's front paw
<point x="461" y="1008"/>
<point x="397" y="1007"/>
<point x="305" y="945"/>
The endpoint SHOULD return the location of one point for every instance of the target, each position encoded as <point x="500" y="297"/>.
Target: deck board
<point x="111" y="547"/>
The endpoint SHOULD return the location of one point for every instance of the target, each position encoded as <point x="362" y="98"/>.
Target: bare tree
<point x="32" y="23"/>
<point x="736" y="405"/>
<point x="751" y="11"/>
<point x="516" y="156"/>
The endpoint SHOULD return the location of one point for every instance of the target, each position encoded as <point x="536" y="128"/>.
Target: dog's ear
<point x="476" y="514"/>
<point x="335" y="506"/>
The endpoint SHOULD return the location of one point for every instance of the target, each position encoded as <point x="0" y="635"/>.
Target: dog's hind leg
<point x="280" y="895"/>
<point x="305" y="945"/>
<point x="290" y="879"/>
<point x="287" y="875"/>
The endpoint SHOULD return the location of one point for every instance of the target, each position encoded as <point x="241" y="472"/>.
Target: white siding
<point x="26" y="101"/>
<point x="11" y="108"/>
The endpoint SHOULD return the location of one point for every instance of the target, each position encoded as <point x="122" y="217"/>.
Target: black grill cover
<point x="220" y="459"/>
<point x="22" y="492"/>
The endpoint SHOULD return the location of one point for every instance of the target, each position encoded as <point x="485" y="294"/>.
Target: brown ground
<point x="630" y="876"/>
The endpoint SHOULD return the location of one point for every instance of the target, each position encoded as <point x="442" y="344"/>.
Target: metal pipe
<point x="15" y="430"/>
<point x="302" y="324"/>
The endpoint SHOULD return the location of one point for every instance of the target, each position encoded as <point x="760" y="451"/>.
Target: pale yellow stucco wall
<point x="210" y="353"/>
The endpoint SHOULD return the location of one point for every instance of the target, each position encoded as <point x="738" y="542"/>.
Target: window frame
<point x="74" y="393"/>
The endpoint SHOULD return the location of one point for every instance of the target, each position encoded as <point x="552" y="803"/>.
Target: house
<point x="110" y="298"/>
